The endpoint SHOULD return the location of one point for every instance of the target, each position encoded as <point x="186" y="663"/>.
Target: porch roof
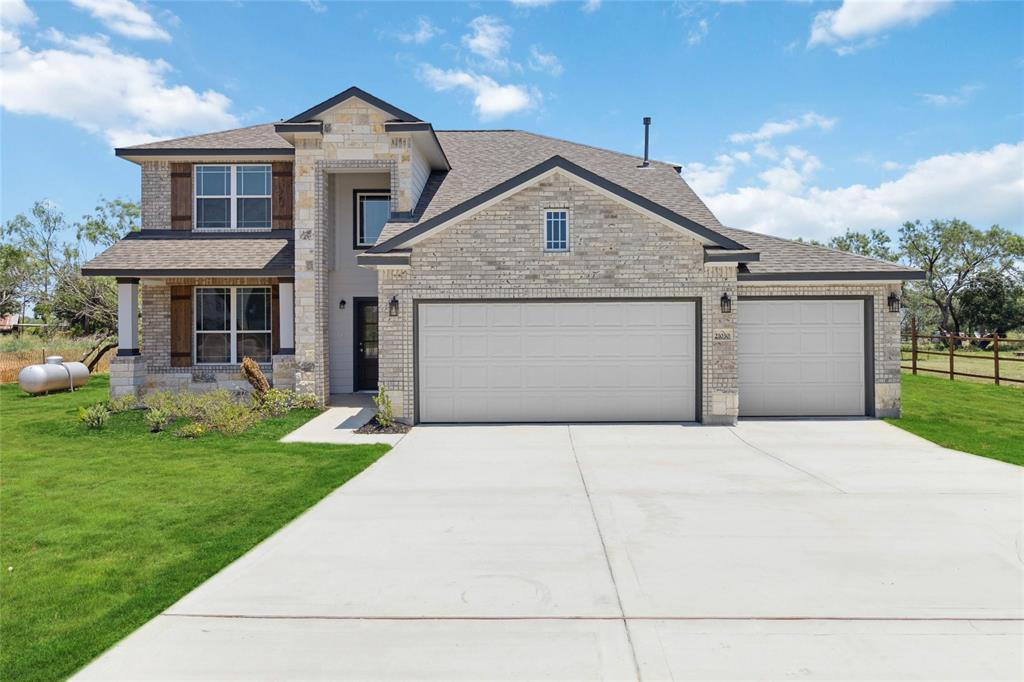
<point x="180" y="253"/>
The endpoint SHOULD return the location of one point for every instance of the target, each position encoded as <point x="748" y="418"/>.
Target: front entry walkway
<point x="775" y="549"/>
<point x="338" y="423"/>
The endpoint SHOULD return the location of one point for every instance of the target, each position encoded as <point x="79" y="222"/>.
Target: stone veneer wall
<point x="156" y="195"/>
<point x="886" y="330"/>
<point x="354" y="140"/>
<point x="615" y="252"/>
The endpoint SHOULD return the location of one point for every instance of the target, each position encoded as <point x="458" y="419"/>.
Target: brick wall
<point x="614" y="252"/>
<point x="155" y="203"/>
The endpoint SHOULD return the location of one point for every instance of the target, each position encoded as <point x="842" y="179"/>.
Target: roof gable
<point x="533" y="175"/>
<point x="344" y="95"/>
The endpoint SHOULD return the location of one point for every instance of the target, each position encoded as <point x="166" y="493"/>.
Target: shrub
<point x="385" y="413"/>
<point x="275" y="402"/>
<point x="254" y="375"/>
<point x="190" y="430"/>
<point x="158" y="418"/>
<point x="161" y="400"/>
<point x="122" y="404"/>
<point x="194" y="405"/>
<point x="94" y="416"/>
<point x="304" y="401"/>
<point x="230" y="418"/>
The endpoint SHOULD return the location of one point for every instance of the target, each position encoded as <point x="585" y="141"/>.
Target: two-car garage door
<point x="556" y="361"/>
<point x="801" y="357"/>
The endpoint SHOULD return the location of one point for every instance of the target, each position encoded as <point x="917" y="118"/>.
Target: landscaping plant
<point x="255" y="376"/>
<point x="158" y="418"/>
<point x="190" y="430"/>
<point x="385" y="413"/>
<point x="94" y="416"/>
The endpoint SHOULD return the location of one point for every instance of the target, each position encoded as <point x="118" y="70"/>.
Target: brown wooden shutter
<point x="275" y="320"/>
<point x="181" y="196"/>
<point x="181" y="326"/>
<point x="282" y="193"/>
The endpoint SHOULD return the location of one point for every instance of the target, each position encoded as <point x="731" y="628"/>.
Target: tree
<point x="15" y="272"/>
<point x="954" y="256"/>
<point x="47" y="255"/>
<point x="993" y="305"/>
<point x="86" y="305"/>
<point x="875" y="244"/>
<point x="112" y="220"/>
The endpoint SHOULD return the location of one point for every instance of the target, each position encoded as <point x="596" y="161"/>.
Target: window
<point x="556" y="230"/>
<point x="372" y="210"/>
<point x="229" y="197"/>
<point x="232" y="323"/>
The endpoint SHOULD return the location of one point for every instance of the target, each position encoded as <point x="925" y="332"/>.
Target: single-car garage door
<point x="557" y="361"/>
<point x="801" y="357"/>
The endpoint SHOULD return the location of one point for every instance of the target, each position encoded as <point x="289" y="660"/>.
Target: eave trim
<point x="861" y="276"/>
<point x="127" y="152"/>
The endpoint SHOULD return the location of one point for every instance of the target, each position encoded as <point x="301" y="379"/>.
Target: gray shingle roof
<point x="481" y="159"/>
<point x="785" y="256"/>
<point x="260" y="136"/>
<point x="177" y="252"/>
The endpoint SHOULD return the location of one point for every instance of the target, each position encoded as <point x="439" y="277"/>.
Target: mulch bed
<point x="372" y="427"/>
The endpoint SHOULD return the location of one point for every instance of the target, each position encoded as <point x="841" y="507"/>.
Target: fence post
<point x="949" y="337"/>
<point x="913" y="344"/>
<point x="995" y="356"/>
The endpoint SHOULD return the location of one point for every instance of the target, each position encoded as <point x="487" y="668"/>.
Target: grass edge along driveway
<point x="982" y="419"/>
<point x="103" y="530"/>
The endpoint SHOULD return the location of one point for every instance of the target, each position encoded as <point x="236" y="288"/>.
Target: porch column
<point x="286" y="298"/>
<point x="127" y="316"/>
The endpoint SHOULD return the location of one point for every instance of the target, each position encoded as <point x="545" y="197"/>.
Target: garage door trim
<point x="698" y="359"/>
<point x="869" y="335"/>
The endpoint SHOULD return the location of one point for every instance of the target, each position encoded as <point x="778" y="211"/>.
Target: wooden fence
<point x="1003" y="351"/>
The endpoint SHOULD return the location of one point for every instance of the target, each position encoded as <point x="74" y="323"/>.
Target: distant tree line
<point x="40" y="268"/>
<point x="974" y="278"/>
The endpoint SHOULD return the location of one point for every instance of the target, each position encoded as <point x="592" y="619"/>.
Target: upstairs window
<point x="230" y="197"/>
<point x="556" y="230"/>
<point x="372" y="209"/>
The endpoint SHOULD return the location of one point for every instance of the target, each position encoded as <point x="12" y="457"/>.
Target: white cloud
<point x="124" y="18"/>
<point x="983" y="187"/>
<point x="863" y="20"/>
<point x="891" y="165"/>
<point x="962" y="96"/>
<point x="590" y="6"/>
<point x="545" y="62"/>
<point x="772" y="129"/>
<point x="124" y="98"/>
<point x="489" y="40"/>
<point x="316" y="6"/>
<point x="713" y="178"/>
<point x="14" y="13"/>
<point x="532" y="3"/>
<point x="491" y="100"/>
<point x="424" y="32"/>
<point x="790" y="175"/>
<point x="698" y="32"/>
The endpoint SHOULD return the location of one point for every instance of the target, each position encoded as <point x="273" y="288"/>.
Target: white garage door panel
<point x="801" y="358"/>
<point x="566" y="361"/>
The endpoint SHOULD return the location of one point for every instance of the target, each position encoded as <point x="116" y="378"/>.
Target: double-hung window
<point x="231" y="197"/>
<point x="372" y="210"/>
<point x="232" y="323"/>
<point x="556" y="230"/>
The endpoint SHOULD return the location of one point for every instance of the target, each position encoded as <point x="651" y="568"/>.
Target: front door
<point x="366" y="344"/>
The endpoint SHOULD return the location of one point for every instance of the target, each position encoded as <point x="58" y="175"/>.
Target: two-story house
<point x="483" y="276"/>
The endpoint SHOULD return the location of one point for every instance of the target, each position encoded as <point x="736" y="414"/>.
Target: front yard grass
<point x="985" y="420"/>
<point x="104" y="529"/>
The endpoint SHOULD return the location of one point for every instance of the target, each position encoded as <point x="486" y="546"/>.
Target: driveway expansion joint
<point x="764" y="452"/>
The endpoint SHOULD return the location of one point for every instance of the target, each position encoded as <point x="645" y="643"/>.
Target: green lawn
<point x="102" y="530"/>
<point x="986" y="420"/>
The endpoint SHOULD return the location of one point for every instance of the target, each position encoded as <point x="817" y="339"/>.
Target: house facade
<point x="483" y="276"/>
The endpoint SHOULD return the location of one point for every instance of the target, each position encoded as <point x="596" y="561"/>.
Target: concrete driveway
<point x="774" y="550"/>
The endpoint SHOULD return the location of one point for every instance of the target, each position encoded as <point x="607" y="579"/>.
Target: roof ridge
<point x="816" y="246"/>
<point x="564" y="141"/>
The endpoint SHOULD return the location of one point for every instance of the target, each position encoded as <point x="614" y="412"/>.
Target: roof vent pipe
<point x="647" y="142"/>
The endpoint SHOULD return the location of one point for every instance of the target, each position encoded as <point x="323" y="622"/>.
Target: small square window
<point x="372" y="211"/>
<point x="556" y="230"/>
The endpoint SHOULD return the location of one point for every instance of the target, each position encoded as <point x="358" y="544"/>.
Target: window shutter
<point x="283" y="190"/>
<point x="181" y="196"/>
<point x="275" y="321"/>
<point x="181" y="326"/>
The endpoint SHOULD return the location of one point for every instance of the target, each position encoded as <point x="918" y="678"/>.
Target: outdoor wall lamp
<point x="894" y="303"/>
<point x="341" y="304"/>
<point x="726" y="303"/>
<point x="393" y="306"/>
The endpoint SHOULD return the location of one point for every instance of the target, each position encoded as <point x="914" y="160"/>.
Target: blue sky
<point x="794" y="118"/>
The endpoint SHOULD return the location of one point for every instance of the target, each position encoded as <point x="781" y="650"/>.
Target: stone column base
<point x="127" y="375"/>
<point x="283" y="371"/>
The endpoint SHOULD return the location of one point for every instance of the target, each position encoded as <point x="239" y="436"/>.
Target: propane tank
<point x="54" y="375"/>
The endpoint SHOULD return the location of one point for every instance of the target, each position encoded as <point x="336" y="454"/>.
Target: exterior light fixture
<point x="894" y="303"/>
<point x="341" y="304"/>
<point x="393" y="306"/>
<point x="726" y="303"/>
